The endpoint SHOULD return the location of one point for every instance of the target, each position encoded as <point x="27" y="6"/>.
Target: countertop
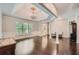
<point x="6" y="42"/>
<point x="13" y="40"/>
<point x="10" y="41"/>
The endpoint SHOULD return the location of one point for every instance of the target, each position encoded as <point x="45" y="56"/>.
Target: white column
<point x="0" y="24"/>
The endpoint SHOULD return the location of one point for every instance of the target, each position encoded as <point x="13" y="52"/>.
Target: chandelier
<point x="33" y="16"/>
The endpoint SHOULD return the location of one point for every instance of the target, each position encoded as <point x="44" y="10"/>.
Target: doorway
<point x="73" y="35"/>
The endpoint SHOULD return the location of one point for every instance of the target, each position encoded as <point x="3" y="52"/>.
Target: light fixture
<point x="33" y="16"/>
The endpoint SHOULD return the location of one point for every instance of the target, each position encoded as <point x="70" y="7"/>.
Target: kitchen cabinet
<point x="7" y="50"/>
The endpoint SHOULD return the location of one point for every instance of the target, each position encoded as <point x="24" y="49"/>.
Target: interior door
<point x="74" y="32"/>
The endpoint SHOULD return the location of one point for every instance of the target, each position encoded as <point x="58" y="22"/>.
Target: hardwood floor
<point x="65" y="47"/>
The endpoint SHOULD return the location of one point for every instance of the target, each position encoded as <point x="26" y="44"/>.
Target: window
<point x="23" y="28"/>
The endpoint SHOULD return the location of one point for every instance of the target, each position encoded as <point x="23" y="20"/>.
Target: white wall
<point x="43" y="28"/>
<point x="9" y="25"/>
<point x="60" y="25"/>
<point x="0" y="24"/>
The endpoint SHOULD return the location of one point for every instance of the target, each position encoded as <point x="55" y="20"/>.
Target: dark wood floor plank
<point x="65" y="47"/>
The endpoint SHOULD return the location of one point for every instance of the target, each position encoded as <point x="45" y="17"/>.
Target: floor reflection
<point x="65" y="47"/>
<point x="57" y="48"/>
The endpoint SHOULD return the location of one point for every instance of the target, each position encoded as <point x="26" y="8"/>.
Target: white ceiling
<point x="7" y="7"/>
<point x="62" y="7"/>
<point x="24" y="10"/>
<point x="67" y="10"/>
